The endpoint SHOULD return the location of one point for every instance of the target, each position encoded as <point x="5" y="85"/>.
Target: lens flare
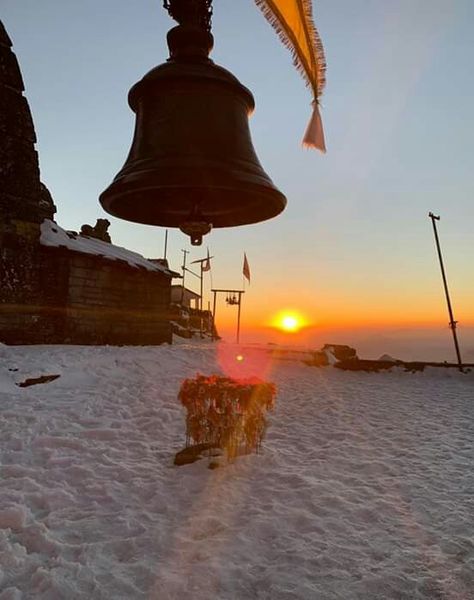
<point x="244" y="363"/>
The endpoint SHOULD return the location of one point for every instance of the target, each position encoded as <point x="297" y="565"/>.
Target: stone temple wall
<point x="84" y="299"/>
<point x="52" y="296"/>
<point x="108" y="302"/>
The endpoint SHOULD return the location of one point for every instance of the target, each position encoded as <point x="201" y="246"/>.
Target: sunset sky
<point x="354" y="249"/>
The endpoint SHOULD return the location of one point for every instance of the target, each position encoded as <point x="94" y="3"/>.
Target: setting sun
<point x="291" y="322"/>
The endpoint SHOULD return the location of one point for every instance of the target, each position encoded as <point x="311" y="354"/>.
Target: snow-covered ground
<point x="364" y="489"/>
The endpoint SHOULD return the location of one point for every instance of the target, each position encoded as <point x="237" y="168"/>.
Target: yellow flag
<point x="293" y="21"/>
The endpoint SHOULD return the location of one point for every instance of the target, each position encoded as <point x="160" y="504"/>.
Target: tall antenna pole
<point x="201" y="278"/>
<point x="452" y="322"/>
<point x="166" y="244"/>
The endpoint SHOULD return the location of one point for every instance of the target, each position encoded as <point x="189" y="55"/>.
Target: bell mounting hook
<point x="191" y="13"/>
<point x="191" y="40"/>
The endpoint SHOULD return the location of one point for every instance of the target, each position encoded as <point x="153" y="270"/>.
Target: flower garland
<point x="226" y="413"/>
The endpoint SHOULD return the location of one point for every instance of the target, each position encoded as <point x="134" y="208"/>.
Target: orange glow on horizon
<point x="267" y="330"/>
<point x="339" y="313"/>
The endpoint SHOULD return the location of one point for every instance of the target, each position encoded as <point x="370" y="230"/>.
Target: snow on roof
<point x="53" y="235"/>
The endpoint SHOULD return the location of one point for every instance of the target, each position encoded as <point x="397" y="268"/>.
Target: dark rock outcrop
<point x="318" y="359"/>
<point x="341" y="351"/>
<point x="191" y="454"/>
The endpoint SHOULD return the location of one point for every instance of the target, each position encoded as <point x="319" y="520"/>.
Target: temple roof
<point x="20" y="188"/>
<point x="4" y="37"/>
<point x="53" y="235"/>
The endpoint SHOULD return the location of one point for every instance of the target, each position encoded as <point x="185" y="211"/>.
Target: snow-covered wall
<point x="81" y="298"/>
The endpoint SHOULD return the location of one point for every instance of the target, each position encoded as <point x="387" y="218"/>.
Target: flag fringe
<point x="314" y="75"/>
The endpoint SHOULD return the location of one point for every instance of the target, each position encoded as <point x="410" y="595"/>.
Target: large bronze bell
<point x="192" y="164"/>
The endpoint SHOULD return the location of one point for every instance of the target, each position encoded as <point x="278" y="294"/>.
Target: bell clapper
<point x="196" y="230"/>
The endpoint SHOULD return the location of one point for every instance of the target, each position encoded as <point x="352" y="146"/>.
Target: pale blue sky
<point x="397" y="110"/>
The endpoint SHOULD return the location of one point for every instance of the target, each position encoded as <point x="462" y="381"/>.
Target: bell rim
<point x="261" y="204"/>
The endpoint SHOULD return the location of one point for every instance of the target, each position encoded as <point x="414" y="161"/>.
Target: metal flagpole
<point x="200" y="304"/>
<point x="214" y="316"/>
<point x="452" y="322"/>
<point x="238" y="318"/>
<point x="185" y="252"/>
